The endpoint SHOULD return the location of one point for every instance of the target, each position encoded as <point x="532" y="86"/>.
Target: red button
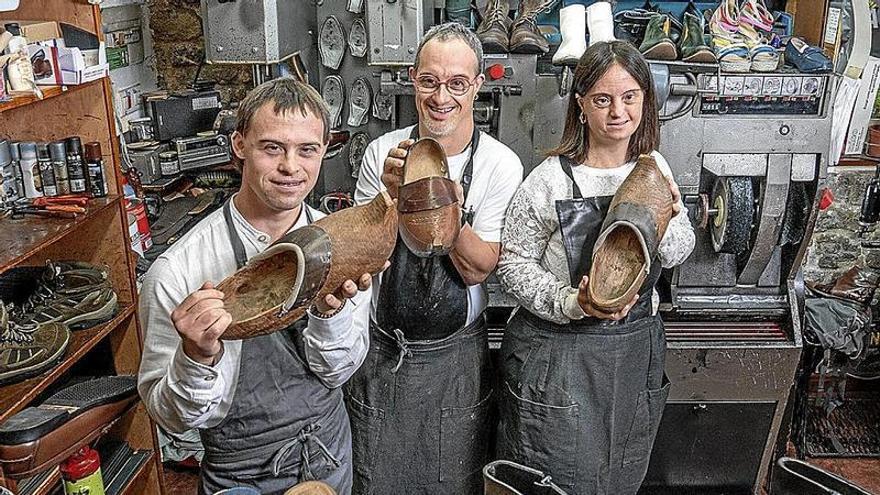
<point x="495" y="71"/>
<point x="826" y="199"/>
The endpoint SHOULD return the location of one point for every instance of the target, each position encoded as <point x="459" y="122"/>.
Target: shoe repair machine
<point x="749" y="152"/>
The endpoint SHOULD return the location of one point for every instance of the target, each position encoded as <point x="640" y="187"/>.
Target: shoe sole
<point x="495" y="48"/>
<point x="765" y="66"/>
<point x="701" y="57"/>
<point x="665" y="50"/>
<point x="529" y="48"/>
<point x="48" y="364"/>
<point x="101" y="315"/>
<point x="736" y="67"/>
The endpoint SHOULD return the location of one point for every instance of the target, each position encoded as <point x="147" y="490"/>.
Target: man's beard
<point x="442" y="128"/>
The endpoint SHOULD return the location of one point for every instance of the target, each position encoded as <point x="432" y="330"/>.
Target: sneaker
<point x="658" y="44"/>
<point x="806" y="58"/>
<point x="28" y="350"/>
<point x="78" y="312"/>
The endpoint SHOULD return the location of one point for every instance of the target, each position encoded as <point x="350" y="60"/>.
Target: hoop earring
<point x="582" y="118"/>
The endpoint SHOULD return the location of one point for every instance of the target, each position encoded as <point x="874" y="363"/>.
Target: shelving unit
<point x="100" y="236"/>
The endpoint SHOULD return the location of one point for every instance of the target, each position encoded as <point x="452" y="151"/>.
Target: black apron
<point x="284" y="425"/>
<point x="420" y="403"/>
<point x="582" y="401"/>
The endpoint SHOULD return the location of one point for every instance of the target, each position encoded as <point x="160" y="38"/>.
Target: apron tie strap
<point x="302" y="439"/>
<point x="404" y="350"/>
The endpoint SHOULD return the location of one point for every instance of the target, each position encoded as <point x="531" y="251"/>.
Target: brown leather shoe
<point x="524" y="34"/>
<point x="430" y="216"/>
<point x="277" y="286"/>
<point x="631" y="233"/>
<point x="38" y="438"/>
<point x="311" y="488"/>
<point x="510" y="478"/>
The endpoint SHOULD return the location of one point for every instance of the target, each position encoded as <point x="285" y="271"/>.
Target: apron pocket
<point x="464" y="440"/>
<point x="366" y="423"/>
<point x="543" y="436"/>
<point x="645" y="423"/>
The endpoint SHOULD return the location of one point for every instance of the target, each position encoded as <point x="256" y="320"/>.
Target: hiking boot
<point x="658" y="44"/>
<point x="493" y="31"/>
<point x="80" y="311"/>
<point x="28" y="350"/>
<point x="524" y="34"/>
<point x="693" y="43"/>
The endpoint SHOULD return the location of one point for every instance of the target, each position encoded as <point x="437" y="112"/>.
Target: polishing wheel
<point x="734" y="201"/>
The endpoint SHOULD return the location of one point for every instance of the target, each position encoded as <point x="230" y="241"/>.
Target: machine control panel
<point x="767" y="94"/>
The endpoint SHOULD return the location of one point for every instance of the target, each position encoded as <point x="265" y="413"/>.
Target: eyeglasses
<point x="604" y="101"/>
<point x="456" y="85"/>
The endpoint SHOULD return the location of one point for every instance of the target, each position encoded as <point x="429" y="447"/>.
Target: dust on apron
<point x="420" y="403"/>
<point x="284" y="425"/>
<point x="582" y="401"/>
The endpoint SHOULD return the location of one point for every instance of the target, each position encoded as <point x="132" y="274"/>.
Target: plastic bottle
<point x="7" y="176"/>
<point x="47" y="173"/>
<point x="58" y="153"/>
<point x="20" y="72"/>
<point x="16" y="168"/>
<point x="76" y="166"/>
<point x="82" y="473"/>
<point x="95" y="163"/>
<point x="30" y="169"/>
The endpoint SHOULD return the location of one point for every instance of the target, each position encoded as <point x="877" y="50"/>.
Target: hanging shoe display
<point x="360" y="99"/>
<point x="331" y="43"/>
<point x="383" y="105"/>
<point x="333" y="92"/>
<point x="357" y="38"/>
<point x="356" y="149"/>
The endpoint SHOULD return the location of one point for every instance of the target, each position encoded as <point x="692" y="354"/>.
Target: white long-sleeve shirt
<point x="533" y="266"/>
<point x="180" y="393"/>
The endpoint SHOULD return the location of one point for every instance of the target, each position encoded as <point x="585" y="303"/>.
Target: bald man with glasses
<point x="420" y="404"/>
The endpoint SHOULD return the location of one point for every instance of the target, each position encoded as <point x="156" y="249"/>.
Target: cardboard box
<point x="863" y="108"/>
<point x="40" y="31"/>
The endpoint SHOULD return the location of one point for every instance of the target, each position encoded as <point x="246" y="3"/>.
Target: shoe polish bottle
<point x="59" y="164"/>
<point x="47" y="173"/>
<point x="8" y="194"/>
<point x="16" y="168"/>
<point x="82" y="473"/>
<point x="76" y="167"/>
<point x="30" y="170"/>
<point x="95" y="163"/>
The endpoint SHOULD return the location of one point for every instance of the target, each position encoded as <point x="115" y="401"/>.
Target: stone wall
<point x="835" y="245"/>
<point x="179" y="46"/>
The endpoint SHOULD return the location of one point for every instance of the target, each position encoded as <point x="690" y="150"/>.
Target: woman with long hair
<point x="583" y="390"/>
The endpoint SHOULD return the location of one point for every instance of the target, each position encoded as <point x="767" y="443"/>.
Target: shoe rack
<point x="99" y="236"/>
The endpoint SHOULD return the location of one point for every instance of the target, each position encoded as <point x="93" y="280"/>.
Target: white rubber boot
<point x="573" y="26"/>
<point x="600" y="22"/>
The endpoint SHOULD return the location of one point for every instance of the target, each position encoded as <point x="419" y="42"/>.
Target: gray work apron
<point x="284" y="425"/>
<point x="582" y="402"/>
<point x="420" y="403"/>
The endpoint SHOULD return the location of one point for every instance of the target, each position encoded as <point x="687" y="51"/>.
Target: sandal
<point x="764" y="58"/>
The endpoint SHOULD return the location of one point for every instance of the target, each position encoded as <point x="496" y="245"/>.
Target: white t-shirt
<point x="497" y="173"/>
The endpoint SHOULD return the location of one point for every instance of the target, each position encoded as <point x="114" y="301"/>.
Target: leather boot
<point x="631" y="233"/>
<point x="600" y="22"/>
<point x="572" y="23"/>
<point x="524" y="34"/>
<point x="693" y="44"/>
<point x="658" y="44"/>
<point x="493" y="31"/>
<point x="277" y="286"/>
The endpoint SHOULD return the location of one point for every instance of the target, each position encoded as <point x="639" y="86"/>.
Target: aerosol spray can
<point x="95" y="164"/>
<point x="76" y="166"/>
<point x="30" y="169"/>
<point x="59" y="164"/>
<point x="7" y="193"/>
<point x="16" y="168"/>
<point x="47" y="174"/>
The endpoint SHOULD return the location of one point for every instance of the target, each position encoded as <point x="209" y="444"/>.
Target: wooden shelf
<point x="16" y="396"/>
<point x="48" y="483"/>
<point x="22" y="237"/>
<point x="48" y="93"/>
<point x="142" y="470"/>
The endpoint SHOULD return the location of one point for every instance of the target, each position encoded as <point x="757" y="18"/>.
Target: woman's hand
<point x="587" y="305"/>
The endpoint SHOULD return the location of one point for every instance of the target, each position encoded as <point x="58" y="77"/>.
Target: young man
<point x="420" y="403"/>
<point x="268" y="409"/>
